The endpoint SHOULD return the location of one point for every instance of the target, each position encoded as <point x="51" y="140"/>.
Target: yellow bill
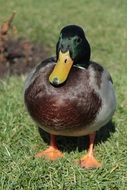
<point x="62" y="68"/>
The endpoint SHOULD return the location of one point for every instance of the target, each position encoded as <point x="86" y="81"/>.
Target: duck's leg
<point x="52" y="152"/>
<point x="89" y="161"/>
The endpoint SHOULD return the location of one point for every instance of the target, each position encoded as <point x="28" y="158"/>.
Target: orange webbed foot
<point x="50" y="153"/>
<point x="89" y="162"/>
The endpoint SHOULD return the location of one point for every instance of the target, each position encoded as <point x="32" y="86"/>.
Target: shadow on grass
<point x="69" y="144"/>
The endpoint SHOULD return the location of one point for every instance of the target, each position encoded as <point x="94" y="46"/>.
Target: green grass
<point x="106" y="28"/>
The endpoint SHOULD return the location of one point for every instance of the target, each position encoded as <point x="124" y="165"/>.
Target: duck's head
<point x="72" y="49"/>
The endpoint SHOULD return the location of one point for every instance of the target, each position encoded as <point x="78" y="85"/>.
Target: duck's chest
<point x="71" y="106"/>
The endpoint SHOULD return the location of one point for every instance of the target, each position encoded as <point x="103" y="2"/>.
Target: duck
<point x="70" y="95"/>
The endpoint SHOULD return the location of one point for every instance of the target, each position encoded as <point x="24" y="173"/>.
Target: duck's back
<point x="70" y="109"/>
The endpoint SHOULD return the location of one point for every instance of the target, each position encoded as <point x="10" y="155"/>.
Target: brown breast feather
<point x="71" y="106"/>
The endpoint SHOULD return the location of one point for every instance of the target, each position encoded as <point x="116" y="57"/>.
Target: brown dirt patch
<point x="20" y="56"/>
<point x="17" y="55"/>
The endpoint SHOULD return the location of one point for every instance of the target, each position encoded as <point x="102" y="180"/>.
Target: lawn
<point x="105" y="23"/>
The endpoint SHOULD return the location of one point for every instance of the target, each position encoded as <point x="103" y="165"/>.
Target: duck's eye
<point x="78" y="40"/>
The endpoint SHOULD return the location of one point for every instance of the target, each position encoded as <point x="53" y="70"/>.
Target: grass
<point x="106" y="28"/>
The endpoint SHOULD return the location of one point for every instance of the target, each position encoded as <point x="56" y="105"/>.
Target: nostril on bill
<point x="65" y="61"/>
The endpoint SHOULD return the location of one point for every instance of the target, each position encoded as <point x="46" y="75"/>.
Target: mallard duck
<point x="70" y="95"/>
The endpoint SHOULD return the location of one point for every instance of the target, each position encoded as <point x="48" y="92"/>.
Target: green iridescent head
<point x="72" y="48"/>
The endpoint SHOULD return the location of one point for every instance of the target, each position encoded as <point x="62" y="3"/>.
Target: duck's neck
<point x="84" y="64"/>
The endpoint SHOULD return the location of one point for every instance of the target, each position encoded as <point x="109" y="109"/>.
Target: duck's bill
<point x="61" y="69"/>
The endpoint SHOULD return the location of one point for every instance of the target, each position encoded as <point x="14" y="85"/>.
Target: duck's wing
<point x="99" y="73"/>
<point x="108" y="76"/>
<point x="101" y="82"/>
<point x="32" y="75"/>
